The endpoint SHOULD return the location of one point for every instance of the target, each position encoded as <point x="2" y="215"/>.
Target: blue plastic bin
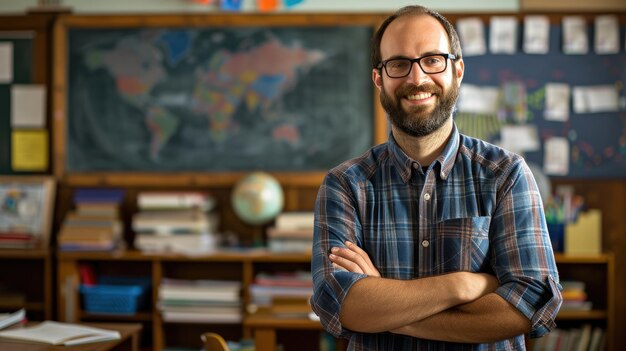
<point x="115" y="295"/>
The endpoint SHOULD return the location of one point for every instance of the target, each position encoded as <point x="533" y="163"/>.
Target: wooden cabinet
<point x="236" y="266"/>
<point x="26" y="282"/>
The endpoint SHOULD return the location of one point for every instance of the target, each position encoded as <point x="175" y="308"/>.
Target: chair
<point x="214" y="342"/>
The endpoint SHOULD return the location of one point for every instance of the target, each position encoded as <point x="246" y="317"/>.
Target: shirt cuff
<point x="540" y="307"/>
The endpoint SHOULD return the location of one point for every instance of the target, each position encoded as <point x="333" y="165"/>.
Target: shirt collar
<point x="446" y="160"/>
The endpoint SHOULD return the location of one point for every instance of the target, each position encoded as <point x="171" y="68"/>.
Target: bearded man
<point x="433" y="240"/>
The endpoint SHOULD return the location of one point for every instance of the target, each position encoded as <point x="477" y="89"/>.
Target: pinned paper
<point x="6" y="62"/>
<point x="606" y="40"/>
<point x="536" y="34"/>
<point x="503" y="35"/>
<point x="557" y="102"/>
<point x="476" y="99"/>
<point x="472" y="34"/>
<point x="28" y="106"/>
<point x="231" y="5"/>
<point x="29" y="150"/>
<point x="575" y="40"/>
<point x="267" y="5"/>
<point x="598" y="98"/>
<point x="519" y="138"/>
<point x="556" y="156"/>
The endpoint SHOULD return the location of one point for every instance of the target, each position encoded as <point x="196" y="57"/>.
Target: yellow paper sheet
<point x="29" y="150"/>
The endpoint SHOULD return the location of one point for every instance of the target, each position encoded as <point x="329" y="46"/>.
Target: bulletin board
<point x="597" y="141"/>
<point x="28" y="37"/>
<point x="22" y="74"/>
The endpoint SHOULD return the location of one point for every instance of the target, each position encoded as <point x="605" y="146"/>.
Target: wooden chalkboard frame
<point x="202" y="179"/>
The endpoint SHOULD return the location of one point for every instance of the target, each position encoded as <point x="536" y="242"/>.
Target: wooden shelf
<point x="582" y="315"/>
<point x="137" y="317"/>
<point x="240" y="265"/>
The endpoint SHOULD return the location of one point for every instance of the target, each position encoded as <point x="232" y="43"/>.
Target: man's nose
<point x="416" y="75"/>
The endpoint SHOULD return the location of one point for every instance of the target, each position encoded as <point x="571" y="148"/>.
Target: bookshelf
<point x="235" y="266"/>
<point x="35" y="293"/>
<point x="597" y="272"/>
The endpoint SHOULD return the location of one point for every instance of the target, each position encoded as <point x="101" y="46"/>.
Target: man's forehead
<point x="421" y="29"/>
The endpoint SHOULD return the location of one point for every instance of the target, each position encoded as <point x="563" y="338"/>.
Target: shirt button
<point x="415" y="165"/>
<point x="427" y="196"/>
<point x="425" y="243"/>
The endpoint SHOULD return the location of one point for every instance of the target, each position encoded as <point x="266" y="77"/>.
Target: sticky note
<point x="29" y="150"/>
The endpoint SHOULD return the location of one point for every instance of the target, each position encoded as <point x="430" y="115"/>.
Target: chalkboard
<point x="597" y="140"/>
<point x="220" y="98"/>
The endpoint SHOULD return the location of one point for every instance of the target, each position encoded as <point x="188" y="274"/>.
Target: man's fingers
<point x="344" y="263"/>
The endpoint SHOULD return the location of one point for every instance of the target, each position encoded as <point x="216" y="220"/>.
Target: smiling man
<point x="433" y="240"/>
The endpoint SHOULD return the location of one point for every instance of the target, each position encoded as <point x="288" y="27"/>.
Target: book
<point x="8" y="319"/>
<point x="56" y="333"/>
<point x="295" y="220"/>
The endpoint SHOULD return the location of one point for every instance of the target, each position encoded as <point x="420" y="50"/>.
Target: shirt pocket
<point x="462" y="244"/>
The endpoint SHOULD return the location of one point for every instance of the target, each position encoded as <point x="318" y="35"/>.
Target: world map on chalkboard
<point x="218" y="99"/>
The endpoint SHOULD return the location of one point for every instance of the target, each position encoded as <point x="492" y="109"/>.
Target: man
<point x="434" y="240"/>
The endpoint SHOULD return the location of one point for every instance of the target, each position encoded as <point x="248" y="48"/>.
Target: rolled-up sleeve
<point x="522" y="255"/>
<point x="336" y="221"/>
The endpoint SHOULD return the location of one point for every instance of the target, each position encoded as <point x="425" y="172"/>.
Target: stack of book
<point x="175" y="221"/>
<point x="292" y="232"/>
<point x="286" y="293"/>
<point x="587" y="338"/>
<point x="574" y="296"/>
<point x="200" y="301"/>
<point x="94" y="225"/>
<point x="15" y="239"/>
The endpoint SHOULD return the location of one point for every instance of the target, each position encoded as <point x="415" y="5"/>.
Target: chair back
<point x="214" y="342"/>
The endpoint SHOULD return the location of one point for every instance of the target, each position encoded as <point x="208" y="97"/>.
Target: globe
<point x="257" y="198"/>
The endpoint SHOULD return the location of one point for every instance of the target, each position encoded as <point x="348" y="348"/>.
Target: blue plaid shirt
<point x="476" y="208"/>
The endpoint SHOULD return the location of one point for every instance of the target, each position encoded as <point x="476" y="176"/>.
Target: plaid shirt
<point x="476" y="208"/>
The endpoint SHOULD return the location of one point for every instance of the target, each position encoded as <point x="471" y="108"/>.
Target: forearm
<point x="488" y="319"/>
<point x="377" y="304"/>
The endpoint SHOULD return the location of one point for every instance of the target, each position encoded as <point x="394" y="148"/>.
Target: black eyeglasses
<point x="430" y="64"/>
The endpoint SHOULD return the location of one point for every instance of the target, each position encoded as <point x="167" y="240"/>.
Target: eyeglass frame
<point x="446" y="56"/>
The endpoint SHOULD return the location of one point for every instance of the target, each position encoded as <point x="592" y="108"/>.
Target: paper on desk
<point x="596" y="98"/>
<point x="557" y="102"/>
<point x="556" y="156"/>
<point x="477" y="99"/>
<point x="606" y="39"/>
<point x="503" y="35"/>
<point x="519" y="138"/>
<point x="472" y="34"/>
<point x="536" y="34"/>
<point x="6" y="62"/>
<point x="28" y="106"/>
<point x="56" y="333"/>
<point x="8" y="319"/>
<point x="575" y="40"/>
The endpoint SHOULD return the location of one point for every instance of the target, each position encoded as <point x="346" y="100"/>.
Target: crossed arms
<point x="455" y="307"/>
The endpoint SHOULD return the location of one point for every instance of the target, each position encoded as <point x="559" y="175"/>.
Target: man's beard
<point x="417" y="122"/>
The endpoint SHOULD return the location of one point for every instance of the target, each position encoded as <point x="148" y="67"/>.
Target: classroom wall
<point x="163" y="6"/>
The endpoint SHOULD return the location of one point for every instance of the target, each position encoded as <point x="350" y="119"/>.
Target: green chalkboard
<point x="234" y="98"/>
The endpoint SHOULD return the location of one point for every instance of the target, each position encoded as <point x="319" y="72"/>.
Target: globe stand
<point x="257" y="236"/>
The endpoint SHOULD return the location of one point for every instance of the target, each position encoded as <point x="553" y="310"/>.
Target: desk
<point x="129" y="341"/>
<point x="264" y="326"/>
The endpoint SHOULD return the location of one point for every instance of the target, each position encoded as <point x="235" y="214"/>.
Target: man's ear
<point x="377" y="79"/>
<point x="460" y="70"/>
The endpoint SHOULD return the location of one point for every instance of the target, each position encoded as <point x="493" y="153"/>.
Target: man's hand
<point x="353" y="259"/>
